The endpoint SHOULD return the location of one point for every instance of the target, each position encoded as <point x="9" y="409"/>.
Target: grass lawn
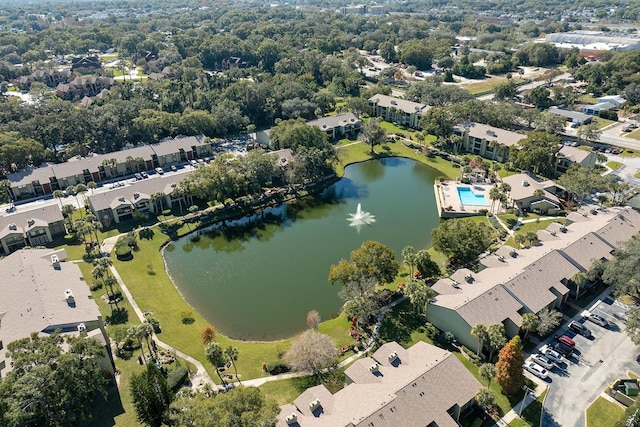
<point x="404" y="326"/>
<point x="634" y="135"/>
<point x="286" y="391"/>
<point x="531" y="226"/>
<point x="505" y="403"/>
<point x="360" y="152"/>
<point x="531" y="416"/>
<point x="483" y="86"/>
<point x="509" y="220"/>
<point x="614" y="165"/>
<point x="628" y="152"/>
<point x="603" y="413"/>
<point x="637" y="174"/>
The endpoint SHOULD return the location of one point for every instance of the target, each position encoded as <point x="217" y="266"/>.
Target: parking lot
<point x="596" y="362"/>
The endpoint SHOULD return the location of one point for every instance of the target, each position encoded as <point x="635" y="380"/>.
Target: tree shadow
<point x="106" y="410"/>
<point x="118" y="316"/>
<point x="401" y="324"/>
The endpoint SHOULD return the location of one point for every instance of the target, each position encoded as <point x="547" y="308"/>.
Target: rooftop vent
<point x="501" y="258"/>
<point x="82" y="327"/>
<point x="68" y="294"/>
<point x="455" y="283"/>
<point x="563" y="228"/>
<point x="491" y="133"/>
<point x="314" y="404"/>
<point x="374" y="368"/>
<point x="13" y="226"/>
<point x="468" y="277"/>
<point x="121" y="199"/>
<point x="136" y="195"/>
<point x="513" y="253"/>
<point x="393" y="356"/>
<point x="30" y="222"/>
<point x="525" y="183"/>
<point x="553" y="232"/>
<point x="291" y="419"/>
<point x="394" y="102"/>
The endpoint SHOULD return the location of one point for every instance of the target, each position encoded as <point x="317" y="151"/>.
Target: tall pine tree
<point x="509" y="367"/>
<point x="151" y="396"/>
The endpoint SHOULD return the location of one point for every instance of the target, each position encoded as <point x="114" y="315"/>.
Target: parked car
<point x="563" y="349"/>
<point x="598" y="320"/>
<point x="543" y="361"/>
<point x="566" y="341"/>
<point x="137" y="176"/>
<point x="193" y="162"/>
<point x="144" y="174"/>
<point x="174" y="168"/>
<point x="551" y="354"/>
<point x="160" y="171"/>
<point x="579" y="328"/>
<point x="536" y="370"/>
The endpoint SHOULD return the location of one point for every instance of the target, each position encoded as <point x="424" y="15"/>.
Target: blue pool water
<point x="468" y="197"/>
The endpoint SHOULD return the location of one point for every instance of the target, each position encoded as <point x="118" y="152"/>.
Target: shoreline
<point x="339" y="174"/>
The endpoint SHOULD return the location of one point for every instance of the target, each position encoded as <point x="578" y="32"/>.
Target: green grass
<point x="603" y="413"/>
<point x="483" y="86"/>
<point x="505" y="403"/>
<point x="637" y="174"/>
<point x="634" y="135"/>
<point x="588" y="99"/>
<point x="614" y="165"/>
<point x="360" y="152"/>
<point x="286" y="391"/>
<point x="403" y="326"/>
<point x="509" y="220"/>
<point x="628" y="152"/>
<point x="532" y="414"/>
<point x="531" y="226"/>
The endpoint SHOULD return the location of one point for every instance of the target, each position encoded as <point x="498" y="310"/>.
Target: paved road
<point x="579" y="381"/>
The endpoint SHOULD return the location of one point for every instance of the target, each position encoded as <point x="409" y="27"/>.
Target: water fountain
<point x="360" y="218"/>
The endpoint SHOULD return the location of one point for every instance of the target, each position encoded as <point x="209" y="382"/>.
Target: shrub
<point x="187" y="317"/>
<point x="431" y="331"/>
<point x="146" y="233"/>
<point x="446" y="338"/>
<point x="155" y="324"/>
<point x="123" y="252"/>
<point x="483" y="211"/>
<point x="176" y="377"/>
<point x="140" y="216"/>
<point x="95" y="286"/>
<point x="150" y="270"/>
<point x="471" y="355"/>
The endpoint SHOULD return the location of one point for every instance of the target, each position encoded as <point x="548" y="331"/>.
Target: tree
<point x="485" y="398"/>
<point x="371" y="260"/>
<point x="208" y="334"/>
<point x="58" y="194"/>
<point x="529" y="323"/>
<point x="409" y="258"/>
<point x="231" y="354"/>
<point x="51" y="386"/>
<point x="420" y="294"/>
<point x="622" y="271"/>
<point x="215" y="355"/>
<point x="482" y="334"/>
<point x="461" y="239"/>
<point x="313" y="320"/>
<point x="238" y="407"/>
<point x="550" y="123"/>
<point x="372" y="133"/>
<point x="590" y="132"/>
<point x="579" y="279"/>
<point x="549" y="320"/>
<point x="425" y="265"/>
<point x="509" y="373"/>
<point x="505" y="90"/>
<point x="488" y="372"/>
<point x="581" y="181"/>
<point x="439" y="122"/>
<point x="494" y="194"/>
<point x="151" y="396"/>
<point x="362" y="302"/>
<point x="310" y="352"/>
<point x="497" y="338"/>
<point x="536" y="152"/>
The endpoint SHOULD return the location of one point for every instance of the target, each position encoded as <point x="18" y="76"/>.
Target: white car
<point x="598" y="320"/>
<point x="536" y="370"/>
<point x="543" y="361"/>
<point x="551" y="354"/>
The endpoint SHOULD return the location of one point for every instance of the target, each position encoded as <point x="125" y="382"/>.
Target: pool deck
<point x="449" y="203"/>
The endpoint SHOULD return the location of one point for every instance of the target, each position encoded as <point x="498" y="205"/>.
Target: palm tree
<point x="529" y="323"/>
<point x="231" y="353"/>
<point x="58" y="194"/>
<point x="409" y="257"/>
<point x="146" y="330"/>
<point x="482" y="334"/>
<point x="91" y="185"/>
<point x="155" y="198"/>
<point x="494" y="194"/>
<point x="580" y="279"/>
<point x="487" y="371"/>
<point x="93" y="225"/>
<point x="81" y="189"/>
<point x="215" y="355"/>
<point x="67" y="212"/>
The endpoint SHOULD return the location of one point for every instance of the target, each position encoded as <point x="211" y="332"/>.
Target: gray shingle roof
<point x="408" y="107"/>
<point x="491" y="133"/>
<point x="331" y="122"/>
<point x="42" y="216"/>
<point x="109" y="199"/>
<point x="419" y="389"/>
<point x="33" y="295"/>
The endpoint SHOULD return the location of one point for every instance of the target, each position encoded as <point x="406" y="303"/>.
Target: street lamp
<point x="527" y="390"/>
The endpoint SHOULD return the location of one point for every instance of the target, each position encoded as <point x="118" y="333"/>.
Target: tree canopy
<point x="536" y="152"/>
<point x="509" y="374"/>
<point x="51" y="386"/>
<point x="461" y="239"/>
<point x="371" y="260"/>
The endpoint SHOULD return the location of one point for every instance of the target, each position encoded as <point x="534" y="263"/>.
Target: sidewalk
<point x="522" y="405"/>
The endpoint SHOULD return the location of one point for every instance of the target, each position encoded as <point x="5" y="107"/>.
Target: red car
<point x="566" y="341"/>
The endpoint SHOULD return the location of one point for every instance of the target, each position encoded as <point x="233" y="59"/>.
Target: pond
<point x="258" y="279"/>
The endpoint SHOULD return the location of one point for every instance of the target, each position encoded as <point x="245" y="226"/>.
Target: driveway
<point x="598" y="361"/>
<point x="630" y="166"/>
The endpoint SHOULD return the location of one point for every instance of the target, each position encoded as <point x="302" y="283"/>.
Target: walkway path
<point x="201" y="376"/>
<point x="522" y="405"/>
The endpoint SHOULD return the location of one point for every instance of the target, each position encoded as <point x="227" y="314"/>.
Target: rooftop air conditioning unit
<point x="468" y="277"/>
<point x="68" y="294"/>
<point x="314" y="404"/>
<point x="501" y="258"/>
<point x="513" y="253"/>
<point x="291" y="419"/>
<point x="563" y="228"/>
<point x="30" y="222"/>
<point x="393" y="102"/>
<point x="393" y="356"/>
<point x="54" y="259"/>
<point x="525" y="183"/>
<point x="374" y="368"/>
<point x="13" y="226"/>
<point x="454" y="283"/>
<point x="82" y="327"/>
<point x="553" y="233"/>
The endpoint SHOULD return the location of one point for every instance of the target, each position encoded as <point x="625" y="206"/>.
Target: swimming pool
<point x="468" y="197"/>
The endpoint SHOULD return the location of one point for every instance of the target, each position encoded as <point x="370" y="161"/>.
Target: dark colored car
<point x="563" y="349"/>
<point x="579" y="328"/>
